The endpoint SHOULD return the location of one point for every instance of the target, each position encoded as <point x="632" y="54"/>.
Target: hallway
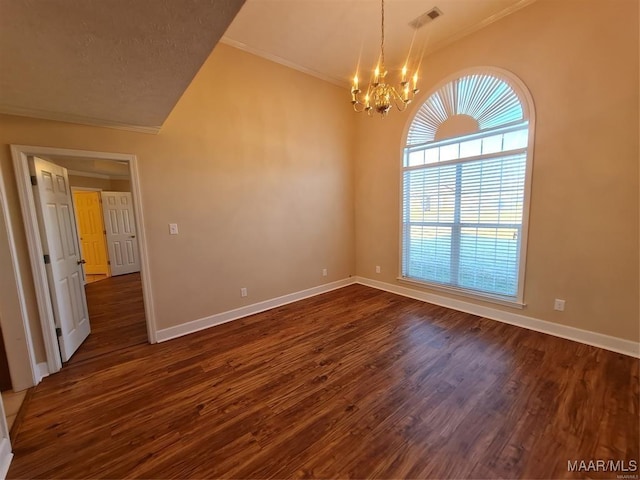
<point x="116" y="313"/>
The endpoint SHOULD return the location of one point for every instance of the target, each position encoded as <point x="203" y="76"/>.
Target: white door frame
<point x="20" y="154"/>
<point x="6" y="455"/>
<point x="24" y="370"/>
<point x="85" y="189"/>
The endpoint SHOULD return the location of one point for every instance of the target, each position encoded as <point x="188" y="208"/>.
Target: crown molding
<point x="282" y="61"/>
<point x="341" y="82"/>
<point x="77" y="119"/>
<point x="78" y="173"/>
<point x="480" y="25"/>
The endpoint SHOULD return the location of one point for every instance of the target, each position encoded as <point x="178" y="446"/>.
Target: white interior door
<point x="120" y="223"/>
<point x="62" y="255"/>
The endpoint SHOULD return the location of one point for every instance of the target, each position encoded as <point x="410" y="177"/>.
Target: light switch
<point x="173" y="228"/>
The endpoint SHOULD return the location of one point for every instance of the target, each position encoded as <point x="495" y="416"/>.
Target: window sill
<point x="506" y="302"/>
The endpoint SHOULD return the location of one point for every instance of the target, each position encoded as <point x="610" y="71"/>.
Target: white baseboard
<point x="619" y="345"/>
<point x="224" y="317"/>
<point x="42" y="370"/>
<point x="5" y="457"/>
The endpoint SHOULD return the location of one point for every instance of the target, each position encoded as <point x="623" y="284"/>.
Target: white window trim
<point x="486" y="297"/>
<point x="528" y="109"/>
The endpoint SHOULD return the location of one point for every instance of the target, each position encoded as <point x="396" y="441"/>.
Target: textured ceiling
<point x="106" y="62"/>
<point x="125" y="63"/>
<point x="328" y="38"/>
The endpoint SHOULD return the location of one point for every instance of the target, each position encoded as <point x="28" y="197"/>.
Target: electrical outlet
<point x="243" y="292"/>
<point x="558" y="305"/>
<point x="173" y="229"/>
<point x="377" y="268"/>
<point x="324" y="272"/>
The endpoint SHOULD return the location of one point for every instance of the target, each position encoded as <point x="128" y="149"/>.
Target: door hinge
<point x="108" y="262"/>
<point x="58" y="331"/>
<point x="34" y="180"/>
<point x="47" y="259"/>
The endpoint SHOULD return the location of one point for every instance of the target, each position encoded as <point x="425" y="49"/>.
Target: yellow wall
<point x="254" y="164"/>
<point x="580" y="62"/>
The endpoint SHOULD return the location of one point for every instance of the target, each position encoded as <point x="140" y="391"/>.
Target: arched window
<point x="466" y="169"/>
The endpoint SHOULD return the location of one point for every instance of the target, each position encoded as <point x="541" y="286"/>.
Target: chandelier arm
<point x="401" y="105"/>
<point x="380" y="96"/>
<point x="399" y="101"/>
<point x="361" y="109"/>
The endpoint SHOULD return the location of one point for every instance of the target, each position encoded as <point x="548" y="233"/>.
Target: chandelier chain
<point x="380" y="96"/>
<point x="382" y="36"/>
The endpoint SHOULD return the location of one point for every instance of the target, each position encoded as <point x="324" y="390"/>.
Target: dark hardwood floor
<point x="356" y="383"/>
<point x="116" y="312"/>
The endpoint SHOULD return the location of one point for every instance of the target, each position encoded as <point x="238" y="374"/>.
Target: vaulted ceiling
<point x="329" y="38"/>
<point x="125" y="63"/>
<point x="105" y="62"/>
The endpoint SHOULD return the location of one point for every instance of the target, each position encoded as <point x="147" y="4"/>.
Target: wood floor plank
<point x="356" y="383"/>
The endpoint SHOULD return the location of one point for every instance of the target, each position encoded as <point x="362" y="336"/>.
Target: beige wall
<point x="113" y="185"/>
<point x="89" y="182"/>
<point x="120" y="185"/>
<point x="257" y="164"/>
<point x="580" y="62"/>
<point x="254" y="165"/>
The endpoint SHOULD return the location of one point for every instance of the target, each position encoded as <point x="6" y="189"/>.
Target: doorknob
<point x="132" y="236"/>
<point x="83" y="261"/>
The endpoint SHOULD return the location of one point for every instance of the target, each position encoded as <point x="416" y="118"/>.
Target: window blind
<point x="463" y="205"/>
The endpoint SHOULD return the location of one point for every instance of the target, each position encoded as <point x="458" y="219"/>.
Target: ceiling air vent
<point x="425" y="18"/>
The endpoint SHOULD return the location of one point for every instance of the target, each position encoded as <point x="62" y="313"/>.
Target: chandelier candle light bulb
<point x="384" y="96"/>
<point x="354" y="90"/>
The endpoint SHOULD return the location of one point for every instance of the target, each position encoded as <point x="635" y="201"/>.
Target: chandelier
<point x="380" y="96"/>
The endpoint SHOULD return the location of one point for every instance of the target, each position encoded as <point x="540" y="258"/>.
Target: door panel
<point x="91" y="228"/>
<point x="59" y="242"/>
<point x="121" y="232"/>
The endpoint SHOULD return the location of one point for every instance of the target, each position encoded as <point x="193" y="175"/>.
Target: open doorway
<point x="86" y="167"/>
<point x="105" y="217"/>
<point x="116" y="312"/>
<point x="107" y="237"/>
